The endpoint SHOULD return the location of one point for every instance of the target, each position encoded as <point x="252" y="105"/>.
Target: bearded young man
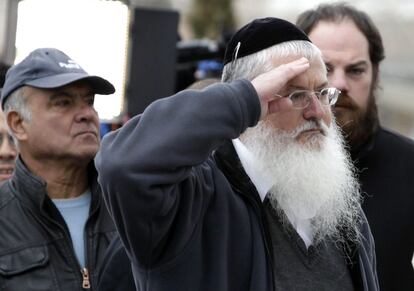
<point x="243" y="185"/>
<point x="352" y="49"/>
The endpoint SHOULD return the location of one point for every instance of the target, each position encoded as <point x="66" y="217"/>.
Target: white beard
<point x="314" y="180"/>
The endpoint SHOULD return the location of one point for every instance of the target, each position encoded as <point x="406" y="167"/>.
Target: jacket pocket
<point x="27" y="269"/>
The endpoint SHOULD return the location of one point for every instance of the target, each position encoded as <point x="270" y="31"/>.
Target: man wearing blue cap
<point x="53" y="222"/>
<point x="244" y="185"/>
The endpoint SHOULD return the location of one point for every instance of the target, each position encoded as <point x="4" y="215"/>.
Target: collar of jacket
<point x="229" y="163"/>
<point x="31" y="189"/>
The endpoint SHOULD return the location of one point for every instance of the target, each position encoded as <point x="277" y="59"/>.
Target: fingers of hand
<point x="282" y="74"/>
<point x="269" y="84"/>
<point x="294" y="68"/>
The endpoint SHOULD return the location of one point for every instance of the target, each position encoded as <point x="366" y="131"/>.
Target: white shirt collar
<point x="258" y="178"/>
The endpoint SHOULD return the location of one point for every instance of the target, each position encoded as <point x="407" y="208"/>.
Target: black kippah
<point x="261" y="34"/>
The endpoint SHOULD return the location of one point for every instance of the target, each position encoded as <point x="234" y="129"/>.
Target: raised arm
<point x="156" y="173"/>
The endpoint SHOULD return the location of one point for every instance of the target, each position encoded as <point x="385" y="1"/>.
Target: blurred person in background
<point x="8" y="151"/>
<point x="245" y="184"/>
<point x="54" y="225"/>
<point x="352" y="49"/>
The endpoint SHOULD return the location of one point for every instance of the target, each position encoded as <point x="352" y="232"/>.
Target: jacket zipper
<point x="86" y="284"/>
<point x="85" y="276"/>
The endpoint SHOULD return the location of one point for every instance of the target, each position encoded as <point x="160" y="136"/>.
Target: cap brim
<point x="99" y="85"/>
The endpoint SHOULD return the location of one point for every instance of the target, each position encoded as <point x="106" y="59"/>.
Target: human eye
<point x="356" y="71"/>
<point x="329" y="68"/>
<point x="329" y="95"/>
<point x="298" y="95"/>
<point x="299" y="98"/>
<point x="90" y="99"/>
<point x="323" y="92"/>
<point x="324" y="95"/>
<point x="62" y="101"/>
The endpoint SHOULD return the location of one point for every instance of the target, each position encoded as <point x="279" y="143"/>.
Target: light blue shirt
<point x="75" y="211"/>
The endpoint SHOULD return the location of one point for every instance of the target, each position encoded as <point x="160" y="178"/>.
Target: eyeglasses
<point x="302" y="98"/>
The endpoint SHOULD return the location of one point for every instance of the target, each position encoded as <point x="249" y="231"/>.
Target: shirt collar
<point x="258" y="178"/>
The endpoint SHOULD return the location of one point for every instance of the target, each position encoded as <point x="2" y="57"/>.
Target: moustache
<point x="311" y="125"/>
<point x="345" y="101"/>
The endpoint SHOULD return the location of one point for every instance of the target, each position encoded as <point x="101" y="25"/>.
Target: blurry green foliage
<point x="209" y="18"/>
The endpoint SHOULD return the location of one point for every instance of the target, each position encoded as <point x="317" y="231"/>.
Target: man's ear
<point x="17" y="125"/>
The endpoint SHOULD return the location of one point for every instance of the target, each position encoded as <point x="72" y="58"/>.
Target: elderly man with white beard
<point x="244" y="185"/>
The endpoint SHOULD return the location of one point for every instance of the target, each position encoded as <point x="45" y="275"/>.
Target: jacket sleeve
<point x="155" y="171"/>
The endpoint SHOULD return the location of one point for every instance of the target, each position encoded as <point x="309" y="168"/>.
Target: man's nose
<point x="339" y="80"/>
<point x="314" y="110"/>
<point x="85" y="111"/>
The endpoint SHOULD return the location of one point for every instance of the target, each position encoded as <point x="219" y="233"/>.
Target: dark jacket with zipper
<point x="36" y="251"/>
<point x="187" y="219"/>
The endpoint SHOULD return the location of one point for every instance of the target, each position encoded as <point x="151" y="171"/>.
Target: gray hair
<point x="251" y="66"/>
<point x="17" y="101"/>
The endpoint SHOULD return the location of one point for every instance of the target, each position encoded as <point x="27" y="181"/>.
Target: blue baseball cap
<point x="49" y="68"/>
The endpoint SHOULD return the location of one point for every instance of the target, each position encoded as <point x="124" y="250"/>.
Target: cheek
<point x="95" y="119"/>
<point x="286" y="121"/>
<point x="360" y="92"/>
<point x="327" y="117"/>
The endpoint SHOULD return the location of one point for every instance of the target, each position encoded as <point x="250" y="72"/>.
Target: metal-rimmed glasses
<point x="302" y="98"/>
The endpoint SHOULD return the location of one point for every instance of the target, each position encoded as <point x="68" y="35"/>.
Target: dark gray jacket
<point x="36" y="250"/>
<point x="188" y="220"/>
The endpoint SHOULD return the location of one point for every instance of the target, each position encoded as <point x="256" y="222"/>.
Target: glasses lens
<point x="329" y="96"/>
<point x="325" y="96"/>
<point x="299" y="99"/>
<point x="334" y="94"/>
